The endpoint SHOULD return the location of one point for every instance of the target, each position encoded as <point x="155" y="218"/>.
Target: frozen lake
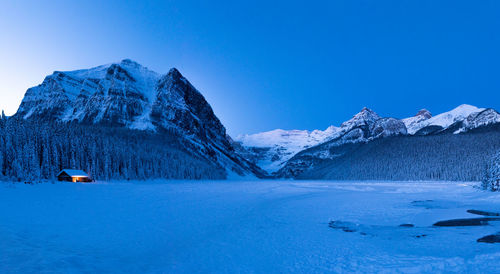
<point x="243" y="226"/>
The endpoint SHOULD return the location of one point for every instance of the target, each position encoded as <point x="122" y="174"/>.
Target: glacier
<point x="283" y="144"/>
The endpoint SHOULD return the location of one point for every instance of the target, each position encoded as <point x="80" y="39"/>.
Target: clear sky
<point x="270" y="64"/>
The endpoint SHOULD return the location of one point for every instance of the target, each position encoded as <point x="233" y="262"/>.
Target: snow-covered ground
<point x="243" y="226"/>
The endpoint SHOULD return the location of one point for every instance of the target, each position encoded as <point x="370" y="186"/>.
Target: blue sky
<point x="261" y="65"/>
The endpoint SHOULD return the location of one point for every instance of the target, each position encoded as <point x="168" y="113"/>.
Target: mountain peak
<point x="424" y="113"/>
<point x="465" y="108"/>
<point x="459" y="112"/>
<point x="366" y="111"/>
<point x="443" y="120"/>
<point x="129" y="62"/>
<point x="173" y="72"/>
<point x="365" y="116"/>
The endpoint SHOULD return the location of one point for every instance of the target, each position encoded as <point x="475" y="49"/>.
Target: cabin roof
<point x="74" y="173"/>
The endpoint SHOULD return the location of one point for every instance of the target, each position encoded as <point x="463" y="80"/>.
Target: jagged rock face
<point x="386" y="127"/>
<point x="365" y="118"/>
<point x="412" y="123"/>
<point x="117" y="100"/>
<point x="179" y="103"/>
<point x="110" y="94"/>
<point x="424" y="114"/>
<point x="52" y="104"/>
<point x="365" y="126"/>
<point x="479" y="119"/>
<point x="128" y="94"/>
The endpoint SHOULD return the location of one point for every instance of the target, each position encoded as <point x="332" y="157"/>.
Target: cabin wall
<point x="64" y="177"/>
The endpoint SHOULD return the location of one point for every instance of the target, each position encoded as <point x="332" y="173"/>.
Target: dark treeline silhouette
<point x="31" y="150"/>
<point x="454" y="157"/>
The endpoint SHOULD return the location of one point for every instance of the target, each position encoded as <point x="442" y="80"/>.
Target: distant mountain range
<point x="125" y="103"/>
<point x="294" y="153"/>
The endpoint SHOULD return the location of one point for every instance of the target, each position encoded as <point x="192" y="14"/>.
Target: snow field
<point x="243" y="226"/>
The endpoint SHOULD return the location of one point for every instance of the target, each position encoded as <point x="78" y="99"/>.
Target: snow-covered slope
<point x="127" y="94"/>
<point x="460" y="119"/>
<point x="413" y="123"/>
<point x="446" y="119"/>
<point x="478" y="119"/>
<point x="272" y="148"/>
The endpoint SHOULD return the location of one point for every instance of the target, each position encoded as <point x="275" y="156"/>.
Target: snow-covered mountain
<point x="367" y="126"/>
<point x="127" y="94"/>
<point x="442" y="121"/>
<point x="120" y="93"/>
<point x="479" y="119"/>
<point x="413" y="123"/>
<point x="275" y="149"/>
<point x="272" y="148"/>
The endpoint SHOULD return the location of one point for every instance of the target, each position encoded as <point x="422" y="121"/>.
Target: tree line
<point x="34" y="150"/>
<point x="453" y="157"/>
<point x="491" y="180"/>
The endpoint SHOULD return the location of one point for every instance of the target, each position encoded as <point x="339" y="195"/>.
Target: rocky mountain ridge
<point x="364" y="127"/>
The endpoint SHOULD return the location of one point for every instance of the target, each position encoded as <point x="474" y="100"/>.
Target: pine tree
<point x="491" y="179"/>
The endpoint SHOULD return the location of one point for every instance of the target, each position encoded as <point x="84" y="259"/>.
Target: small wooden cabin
<point x="73" y="175"/>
